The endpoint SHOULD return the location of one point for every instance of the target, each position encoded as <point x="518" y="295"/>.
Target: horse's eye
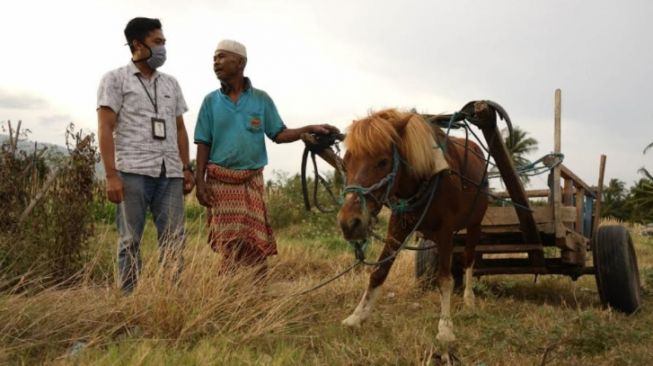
<point x="383" y="163"/>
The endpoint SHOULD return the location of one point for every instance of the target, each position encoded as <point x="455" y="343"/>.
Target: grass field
<point x="218" y="320"/>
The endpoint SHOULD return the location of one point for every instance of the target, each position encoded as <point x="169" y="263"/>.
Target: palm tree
<point x="642" y="169"/>
<point x="519" y="144"/>
<point x="642" y="194"/>
<point x="614" y="200"/>
<point x="641" y="201"/>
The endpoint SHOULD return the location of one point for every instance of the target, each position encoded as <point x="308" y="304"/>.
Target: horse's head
<point x="381" y="150"/>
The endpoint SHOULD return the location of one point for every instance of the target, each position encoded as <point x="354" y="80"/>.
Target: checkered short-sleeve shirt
<point x="136" y="150"/>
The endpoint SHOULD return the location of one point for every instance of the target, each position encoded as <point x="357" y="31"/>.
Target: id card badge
<point x="158" y="128"/>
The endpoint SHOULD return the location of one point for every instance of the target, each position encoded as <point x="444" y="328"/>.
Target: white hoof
<point x="352" y="321"/>
<point x="445" y="331"/>
<point x="470" y="299"/>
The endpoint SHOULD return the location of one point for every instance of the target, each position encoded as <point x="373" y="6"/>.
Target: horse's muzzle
<point x="353" y="221"/>
<point x="354" y="229"/>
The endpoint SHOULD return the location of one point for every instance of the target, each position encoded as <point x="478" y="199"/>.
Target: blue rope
<point x="532" y="169"/>
<point x="417" y="224"/>
<point x="387" y="180"/>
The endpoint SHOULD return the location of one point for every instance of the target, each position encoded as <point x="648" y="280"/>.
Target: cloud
<point x="55" y="119"/>
<point x="10" y="100"/>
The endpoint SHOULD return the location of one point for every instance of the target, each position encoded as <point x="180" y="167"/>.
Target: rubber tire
<point x="426" y="267"/>
<point x="615" y="266"/>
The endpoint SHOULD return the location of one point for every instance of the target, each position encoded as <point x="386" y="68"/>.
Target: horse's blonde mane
<point x="412" y="135"/>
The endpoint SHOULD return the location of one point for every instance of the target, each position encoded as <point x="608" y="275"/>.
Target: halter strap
<point x="388" y="181"/>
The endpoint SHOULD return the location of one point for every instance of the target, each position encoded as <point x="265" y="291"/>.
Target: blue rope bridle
<point x="387" y="181"/>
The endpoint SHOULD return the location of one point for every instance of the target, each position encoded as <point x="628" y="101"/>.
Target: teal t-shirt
<point x="235" y="131"/>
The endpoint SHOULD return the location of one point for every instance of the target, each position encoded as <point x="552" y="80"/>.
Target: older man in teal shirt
<point x="236" y="131"/>
<point x="230" y="136"/>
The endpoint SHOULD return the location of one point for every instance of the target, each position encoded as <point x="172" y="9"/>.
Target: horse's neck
<point x="408" y="186"/>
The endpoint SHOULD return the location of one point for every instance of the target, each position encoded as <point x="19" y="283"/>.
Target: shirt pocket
<point x="254" y="122"/>
<point x="168" y="105"/>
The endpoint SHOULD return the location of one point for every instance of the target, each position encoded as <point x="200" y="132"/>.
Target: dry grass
<point x="212" y="319"/>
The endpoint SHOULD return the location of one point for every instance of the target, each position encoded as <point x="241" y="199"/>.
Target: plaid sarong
<point x="238" y="216"/>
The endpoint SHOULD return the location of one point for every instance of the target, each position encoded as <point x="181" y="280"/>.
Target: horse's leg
<point x="473" y="237"/>
<point x="445" y="285"/>
<point x="377" y="277"/>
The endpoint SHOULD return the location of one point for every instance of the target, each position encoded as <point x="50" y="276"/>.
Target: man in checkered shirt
<point x="144" y="147"/>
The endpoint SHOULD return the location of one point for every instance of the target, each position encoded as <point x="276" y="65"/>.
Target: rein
<point x="321" y="142"/>
<point x="324" y="283"/>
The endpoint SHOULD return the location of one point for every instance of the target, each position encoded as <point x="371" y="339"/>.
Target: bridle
<point x="388" y="181"/>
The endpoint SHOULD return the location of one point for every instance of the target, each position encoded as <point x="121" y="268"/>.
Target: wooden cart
<point x="556" y="236"/>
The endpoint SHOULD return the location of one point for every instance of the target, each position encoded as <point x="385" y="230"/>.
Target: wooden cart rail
<point x="505" y="219"/>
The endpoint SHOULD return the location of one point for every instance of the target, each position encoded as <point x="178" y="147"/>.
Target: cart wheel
<point x="426" y="267"/>
<point x="615" y="264"/>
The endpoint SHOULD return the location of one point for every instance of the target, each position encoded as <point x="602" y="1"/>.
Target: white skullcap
<point x="232" y="46"/>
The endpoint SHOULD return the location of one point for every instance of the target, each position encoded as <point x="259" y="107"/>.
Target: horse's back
<point x="470" y="165"/>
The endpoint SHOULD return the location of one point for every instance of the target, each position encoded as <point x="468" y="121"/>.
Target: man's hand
<point x="323" y="129"/>
<point x="115" y="188"/>
<point x="202" y="194"/>
<point x="189" y="182"/>
<point x="293" y="134"/>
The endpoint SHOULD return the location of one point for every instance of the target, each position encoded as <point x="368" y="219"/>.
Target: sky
<point x="335" y="61"/>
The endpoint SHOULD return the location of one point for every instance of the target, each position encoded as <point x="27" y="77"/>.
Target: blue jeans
<point x="164" y="197"/>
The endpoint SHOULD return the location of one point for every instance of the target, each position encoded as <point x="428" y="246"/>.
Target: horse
<point x="393" y="156"/>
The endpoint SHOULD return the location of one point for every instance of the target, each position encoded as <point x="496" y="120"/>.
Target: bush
<point x="104" y="211"/>
<point x="48" y="220"/>
<point x="285" y="205"/>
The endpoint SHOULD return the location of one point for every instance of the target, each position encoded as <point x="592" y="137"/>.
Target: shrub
<point x="285" y="204"/>
<point x="48" y="220"/>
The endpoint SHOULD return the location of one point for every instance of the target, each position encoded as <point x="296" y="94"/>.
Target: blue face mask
<point x="157" y="57"/>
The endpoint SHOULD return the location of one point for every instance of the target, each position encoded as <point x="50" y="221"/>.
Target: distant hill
<point x="52" y="150"/>
<point x="28" y="145"/>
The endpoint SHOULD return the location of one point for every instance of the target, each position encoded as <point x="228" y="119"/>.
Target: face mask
<point x="157" y="57"/>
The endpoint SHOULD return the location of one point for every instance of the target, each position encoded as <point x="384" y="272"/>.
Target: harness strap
<point x="403" y="205"/>
<point x="387" y="181"/>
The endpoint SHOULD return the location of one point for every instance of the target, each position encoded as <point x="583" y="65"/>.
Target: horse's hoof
<point x="470" y="301"/>
<point x="352" y="321"/>
<point x="436" y="360"/>
<point x="445" y="332"/>
<point x="447" y="359"/>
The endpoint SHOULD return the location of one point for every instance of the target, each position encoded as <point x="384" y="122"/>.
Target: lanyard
<point x="153" y="101"/>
